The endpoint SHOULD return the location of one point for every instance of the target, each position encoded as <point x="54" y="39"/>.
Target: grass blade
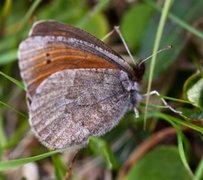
<point x="178" y="21"/>
<point x="165" y="11"/>
<point x="5" y="165"/>
<point x="13" y="80"/>
<point x="199" y="171"/>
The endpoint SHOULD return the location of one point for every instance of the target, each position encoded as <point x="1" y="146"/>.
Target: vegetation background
<point x="169" y="148"/>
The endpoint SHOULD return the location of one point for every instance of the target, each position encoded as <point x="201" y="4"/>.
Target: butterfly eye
<point x="139" y="70"/>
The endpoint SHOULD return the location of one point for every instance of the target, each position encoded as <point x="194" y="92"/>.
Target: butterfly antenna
<point x="107" y="35"/>
<point x="124" y="43"/>
<point x="159" y="51"/>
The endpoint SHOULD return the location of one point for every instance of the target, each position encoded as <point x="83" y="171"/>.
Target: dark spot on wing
<point x="48" y="58"/>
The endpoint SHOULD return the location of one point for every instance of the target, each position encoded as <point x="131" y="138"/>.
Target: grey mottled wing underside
<point x="71" y="105"/>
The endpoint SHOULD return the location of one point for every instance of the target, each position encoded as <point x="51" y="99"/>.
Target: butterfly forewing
<point x="40" y="61"/>
<point x="52" y="46"/>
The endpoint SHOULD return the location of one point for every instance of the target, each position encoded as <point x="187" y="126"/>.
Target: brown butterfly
<point x="77" y="86"/>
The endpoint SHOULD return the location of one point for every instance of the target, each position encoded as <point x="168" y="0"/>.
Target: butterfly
<point x="77" y="86"/>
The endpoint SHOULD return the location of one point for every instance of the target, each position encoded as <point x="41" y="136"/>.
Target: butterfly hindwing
<point x="71" y="105"/>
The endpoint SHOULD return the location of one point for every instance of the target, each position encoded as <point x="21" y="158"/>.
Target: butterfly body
<point x="77" y="86"/>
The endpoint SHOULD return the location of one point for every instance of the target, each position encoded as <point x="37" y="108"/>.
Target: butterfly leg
<point x="163" y="101"/>
<point x="136" y="112"/>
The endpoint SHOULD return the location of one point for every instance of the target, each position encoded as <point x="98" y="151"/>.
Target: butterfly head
<point x="139" y="70"/>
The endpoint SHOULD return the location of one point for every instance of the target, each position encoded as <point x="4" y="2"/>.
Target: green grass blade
<point x="177" y="121"/>
<point x="17" y="135"/>
<point x="180" y="135"/>
<point x="30" y="12"/>
<point x="181" y="149"/>
<point x="99" y="146"/>
<point x="175" y="99"/>
<point x="6" y="9"/>
<point x="5" y="165"/>
<point x="162" y="22"/>
<point x="8" y="57"/>
<point x="60" y="167"/>
<point x="199" y="171"/>
<point x="178" y="21"/>
<point x="13" y="109"/>
<point x="13" y="80"/>
<point x="186" y="26"/>
<point x="101" y="4"/>
<point x="3" y="138"/>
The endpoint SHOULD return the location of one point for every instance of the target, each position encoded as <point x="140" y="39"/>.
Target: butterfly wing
<point x="53" y="46"/>
<point x="71" y="105"/>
